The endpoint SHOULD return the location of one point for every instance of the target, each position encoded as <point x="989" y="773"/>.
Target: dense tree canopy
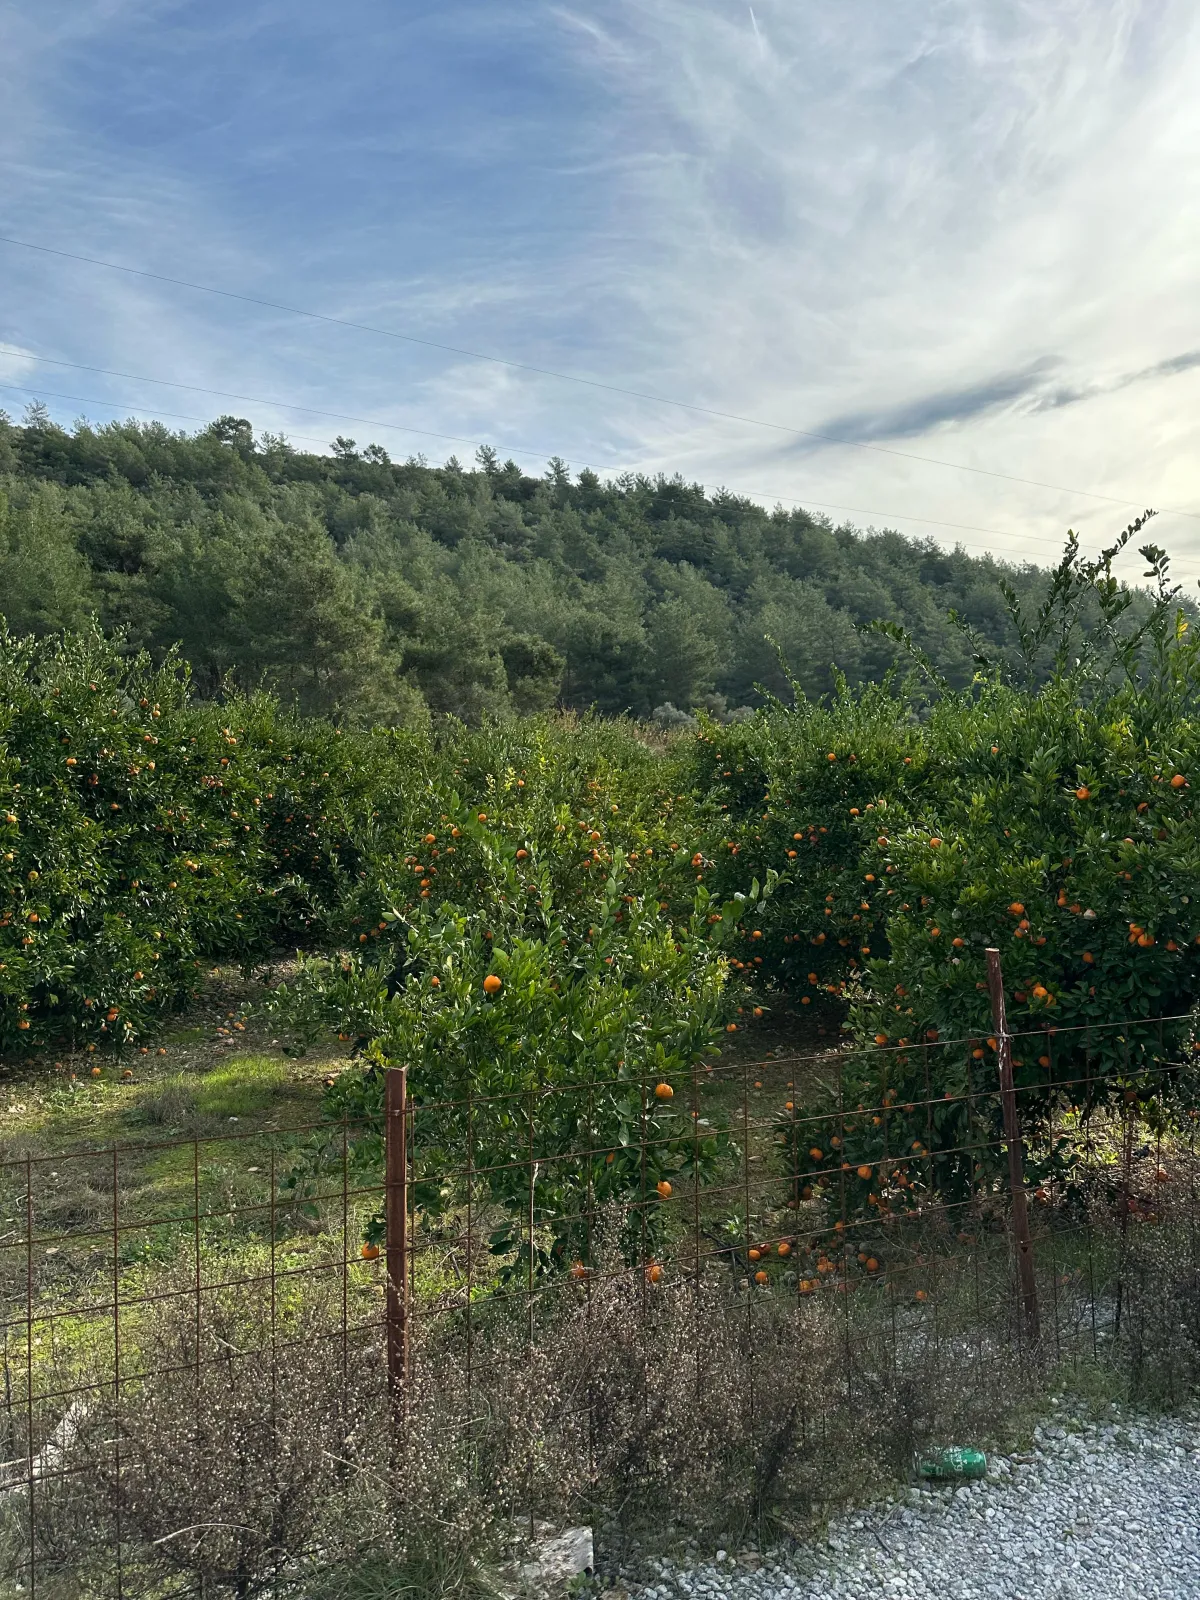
<point x="390" y="592"/>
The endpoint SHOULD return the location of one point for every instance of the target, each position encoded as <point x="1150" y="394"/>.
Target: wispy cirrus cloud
<point x="972" y="226"/>
<point x="923" y="414"/>
<point x="1030" y="391"/>
<point x="1068" y="395"/>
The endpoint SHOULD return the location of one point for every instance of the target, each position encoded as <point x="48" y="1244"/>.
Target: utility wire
<point x="569" y="377"/>
<point x="539" y="455"/>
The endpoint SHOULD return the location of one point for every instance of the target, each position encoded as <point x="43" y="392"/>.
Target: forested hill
<point x="390" y="591"/>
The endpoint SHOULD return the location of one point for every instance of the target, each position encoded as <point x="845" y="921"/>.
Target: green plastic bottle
<point x="942" y="1465"/>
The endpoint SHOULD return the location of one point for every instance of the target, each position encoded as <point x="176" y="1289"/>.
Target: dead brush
<point x="234" y="1463"/>
<point x="712" y="1405"/>
<point x="249" y="1449"/>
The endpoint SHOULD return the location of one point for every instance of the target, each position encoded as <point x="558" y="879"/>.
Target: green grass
<point x="200" y="1124"/>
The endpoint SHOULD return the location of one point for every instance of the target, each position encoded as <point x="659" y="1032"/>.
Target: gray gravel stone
<point x="1092" y="1512"/>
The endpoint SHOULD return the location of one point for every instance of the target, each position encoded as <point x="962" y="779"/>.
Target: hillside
<point x="389" y="591"/>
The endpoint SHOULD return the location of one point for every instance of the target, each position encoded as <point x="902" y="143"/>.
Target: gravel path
<point x="1090" y="1511"/>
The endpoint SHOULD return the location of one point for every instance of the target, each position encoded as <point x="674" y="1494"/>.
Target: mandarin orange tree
<point x="143" y="834"/>
<point x="1060" y="829"/>
<point x="556" y="803"/>
<point x="544" y="1031"/>
<point x="1051" y="819"/>
<point x="809" y="792"/>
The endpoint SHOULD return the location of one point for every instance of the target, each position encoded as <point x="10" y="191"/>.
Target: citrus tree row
<point x="914" y="832"/>
<point x="143" y="834"/>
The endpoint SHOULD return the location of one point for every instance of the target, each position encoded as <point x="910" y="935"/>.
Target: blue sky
<point x="966" y="230"/>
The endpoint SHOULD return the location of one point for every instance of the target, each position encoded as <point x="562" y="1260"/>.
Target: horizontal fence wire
<point x="867" y="1192"/>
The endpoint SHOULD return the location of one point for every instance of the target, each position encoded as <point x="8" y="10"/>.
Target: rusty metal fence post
<point x="1012" y="1135"/>
<point x="396" y="1217"/>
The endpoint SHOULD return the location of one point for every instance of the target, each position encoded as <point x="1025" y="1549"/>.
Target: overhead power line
<point x="570" y="377"/>
<point x="399" y="427"/>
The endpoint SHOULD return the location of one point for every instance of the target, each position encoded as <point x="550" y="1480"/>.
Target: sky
<point x="927" y="266"/>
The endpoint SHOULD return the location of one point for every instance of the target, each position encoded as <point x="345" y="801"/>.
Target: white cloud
<point x="965" y="229"/>
<point x="891" y="207"/>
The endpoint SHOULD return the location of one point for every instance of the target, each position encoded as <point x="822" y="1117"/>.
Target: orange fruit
<point x="864" y="1172"/>
<point x="578" y="1271"/>
<point x="663" y="1091"/>
<point x="872" y="1264"/>
<point x="1178" y="781"/>
<point x="664" y="1189"/>
<point x="934" y="843"/>
<point x="785" y="1248"/>
<point x="491" y="984"/>
<point x="654" y="1273"/>
<point x="921" y="1295"/>
<point x="95" y="1070"/>
<point x="369" y="1252"/>
<point x="1083" y="792"/>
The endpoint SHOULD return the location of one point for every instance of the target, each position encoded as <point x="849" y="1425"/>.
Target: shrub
<point x="550" y="1032"/>
<point x="244" y="1453"/>
<point x="246" y="1456"/>
<point x="1055" y="824"/>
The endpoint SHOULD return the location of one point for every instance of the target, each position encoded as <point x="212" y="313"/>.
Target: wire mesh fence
<point x="713" y="1294"/>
